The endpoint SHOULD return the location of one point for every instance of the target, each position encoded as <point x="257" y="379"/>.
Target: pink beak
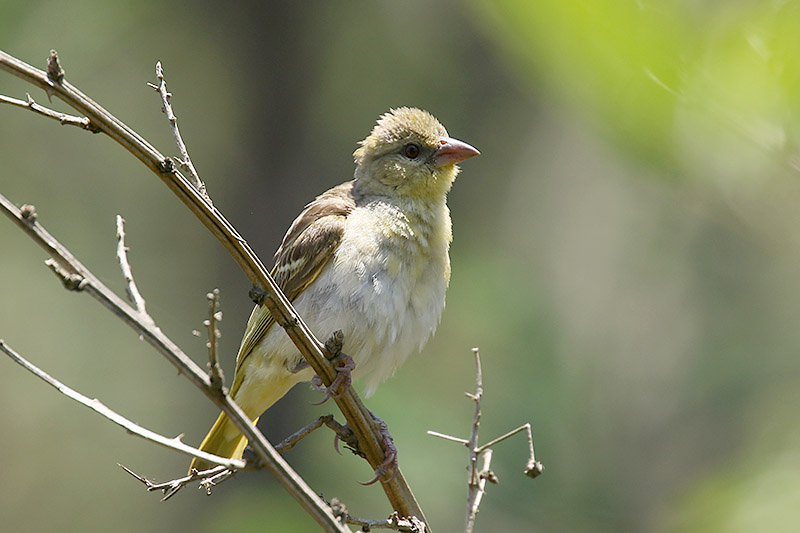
<point x="452" y="151"/>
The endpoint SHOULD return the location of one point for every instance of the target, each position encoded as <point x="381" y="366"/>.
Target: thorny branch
<point x="207" y="478"/>
<point x="214" y="315"/>
<point x="216" y="475"/>
<point x="394" y="523"/>
<point x="357" y="415"/>
<point x="130" y="427"/>
<point x="75" y="276"/>
<point x="62" y="118"/>
<point x="477" y="477"/>
<point x="185" y="161"/>
<point x="130" y="284"/>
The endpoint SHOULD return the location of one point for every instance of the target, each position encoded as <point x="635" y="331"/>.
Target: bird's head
<point x="409" y="154"/>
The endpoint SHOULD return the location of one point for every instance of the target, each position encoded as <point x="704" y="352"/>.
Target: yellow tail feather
<point x="254" y="396"/>
<point x="224" y="440"/>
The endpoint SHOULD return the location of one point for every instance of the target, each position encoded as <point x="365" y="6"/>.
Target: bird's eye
<point x="411" y="150"/>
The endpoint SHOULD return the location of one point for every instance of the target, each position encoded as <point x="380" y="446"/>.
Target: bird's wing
<point x="306" y="249"/>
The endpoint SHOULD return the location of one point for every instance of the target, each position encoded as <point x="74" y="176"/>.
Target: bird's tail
<point x="254" y="397"/>
<point x="224" y="439"/>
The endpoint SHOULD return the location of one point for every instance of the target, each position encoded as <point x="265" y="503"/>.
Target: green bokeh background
<point x="626" y="254"/>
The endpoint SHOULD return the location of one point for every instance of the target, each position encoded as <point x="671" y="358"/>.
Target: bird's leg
<point x="334" y="344"/>
<point x="389" y="464"/>
<point x="344" y="365"/>
<point x="334" y="348"/>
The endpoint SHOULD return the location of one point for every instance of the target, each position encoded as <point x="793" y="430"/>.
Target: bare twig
<point x="71" y="282"/>
<point x="62" y="118"/>
<point x="131" y="290"/>
<point x="477" y="478"/>
<point x="478" y="489"/>
<point x="208" y="478"/>
<point x="394" y="523"/>
<point x="214" y="315"/>
<point x="67" y="266"/>
<point x="77" y="277"/>
<point x="185" y="161"/>
<point x="358" y="417"/>
<point x="131" y="427"/>
<point x="476" y="483"/>
<point x="342" y="432"/>
<point x="216" y="475"/>
<point x="511" y="433"/>
<point x="449" y="437"/>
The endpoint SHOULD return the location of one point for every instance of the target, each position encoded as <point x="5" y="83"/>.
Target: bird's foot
<point x="344" y="367"/>
<point x="388" y="467"/>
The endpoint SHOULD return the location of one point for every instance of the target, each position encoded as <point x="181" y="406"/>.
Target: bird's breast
<point x="384" y="287"/>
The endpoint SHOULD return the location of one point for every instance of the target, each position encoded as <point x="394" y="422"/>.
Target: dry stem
<point x="207" y="478"/>
<point x="477" y="478"/>
<point x="62" y="118"/>
<point x="77" y="277"/>
<point x="132" y="291"/>
<point x="214" y="316"/>
<point x="131" y="427"/>
<point x="358" y="417"/>
<point x="185" y="161"/>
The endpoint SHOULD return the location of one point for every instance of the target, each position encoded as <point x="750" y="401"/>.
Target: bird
<point x="369" y="258"/>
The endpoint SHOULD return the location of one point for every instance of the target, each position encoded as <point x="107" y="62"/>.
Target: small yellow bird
<point x="368" y="257"/>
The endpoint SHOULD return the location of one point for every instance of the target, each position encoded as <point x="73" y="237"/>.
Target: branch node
<point x="71" y="281"/>
<point x="258" y="295"/>
<point x="490" y="476"/>
<point x="54" y="71"/>
<point x="338" y="508"/>
<point x="167" y="166"/>
<point x="28" y="213"/>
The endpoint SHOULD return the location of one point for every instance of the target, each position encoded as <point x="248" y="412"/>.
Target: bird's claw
<point x="389" y="465"/>
<point x="345" y="366"/>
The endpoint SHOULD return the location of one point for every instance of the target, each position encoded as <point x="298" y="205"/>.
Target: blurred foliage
<point x="707" y="87"/>
<point x="626" y="253"/>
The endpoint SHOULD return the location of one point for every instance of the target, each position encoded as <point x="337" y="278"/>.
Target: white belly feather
<point x="384" y="288"/>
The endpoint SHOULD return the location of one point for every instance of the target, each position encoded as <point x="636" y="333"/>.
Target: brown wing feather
<point x="304" y="252"/>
